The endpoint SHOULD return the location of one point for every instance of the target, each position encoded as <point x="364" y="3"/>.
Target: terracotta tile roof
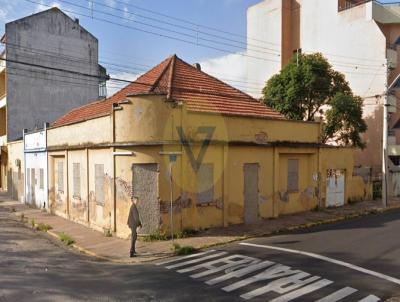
<point x="179" y="81"/>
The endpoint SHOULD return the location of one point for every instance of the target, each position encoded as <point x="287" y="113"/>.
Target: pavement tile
<point x="116" y="249"/>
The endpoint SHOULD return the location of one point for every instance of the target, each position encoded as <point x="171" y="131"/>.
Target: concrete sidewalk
<point x="117" y="250"/>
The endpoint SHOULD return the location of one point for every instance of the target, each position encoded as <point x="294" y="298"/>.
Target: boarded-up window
<point x="41" y="184"/>
<point x="28" y="178"/>
<point x="293" y="175"/>
<point x="76" y="172"/>
<point x="60" y="176"/>
<point x="205" y="183"/>
<point x="99" y="183"/>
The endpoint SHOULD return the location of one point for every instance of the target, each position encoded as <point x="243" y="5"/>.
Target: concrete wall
<point x="36" y="95"/>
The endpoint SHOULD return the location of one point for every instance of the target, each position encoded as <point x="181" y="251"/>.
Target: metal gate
<point x="335" y="188"/>
<point x="145" y="187"/>
<point x="250" y="172"/>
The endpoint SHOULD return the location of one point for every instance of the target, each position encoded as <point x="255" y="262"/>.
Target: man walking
<point x="134" y="223"/>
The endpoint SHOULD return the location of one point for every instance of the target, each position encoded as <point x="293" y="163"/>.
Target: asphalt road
<point x="34" y="268"/>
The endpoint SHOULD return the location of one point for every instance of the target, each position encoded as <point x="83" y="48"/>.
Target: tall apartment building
<point x="357" y="37"/>
<point x="51" y="67"/>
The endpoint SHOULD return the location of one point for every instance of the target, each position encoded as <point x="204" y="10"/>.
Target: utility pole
<point x="385" y="138"/>
<point x="386" y="105"/>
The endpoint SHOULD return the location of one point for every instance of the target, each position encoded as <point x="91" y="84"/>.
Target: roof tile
<point x="179" y="81"/>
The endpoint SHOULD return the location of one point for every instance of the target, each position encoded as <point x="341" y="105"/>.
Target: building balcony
<point x="3" y="101"/>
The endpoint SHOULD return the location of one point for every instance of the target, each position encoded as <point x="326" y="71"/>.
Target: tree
<point x="308" y="87"/>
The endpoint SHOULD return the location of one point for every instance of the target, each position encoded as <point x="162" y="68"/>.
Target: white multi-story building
<point x="360" y="39"/>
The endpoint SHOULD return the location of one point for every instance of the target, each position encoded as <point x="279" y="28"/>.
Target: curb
<point x="350" y="216"/>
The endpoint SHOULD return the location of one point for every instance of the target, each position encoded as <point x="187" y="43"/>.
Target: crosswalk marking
<point x="303" y="291"/>
<point x="370" y="298"/>
<point x="196" y="260"/>
<point x="277" y="271"/>
<point x="240" y="273"/>
<point x="327" y="259"/>
<point x="185" y="257"/>
<point x="338" y="295"/>
<point x="212" y="269"/>
<point x="280" y="279"/>
<point x="282" y="286"/>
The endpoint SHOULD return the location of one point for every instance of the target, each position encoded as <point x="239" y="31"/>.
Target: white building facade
<point x="36" y="167"/>
<point x="361" y="39"/>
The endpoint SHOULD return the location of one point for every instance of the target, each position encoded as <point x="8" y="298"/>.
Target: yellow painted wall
<point x="304" y="198"/>
<point x="15" y="173"/>
<point x="234" y="174"/>
<point x="58" y="197"/>
<point x="101" y="215"/>
<point x="147" y="128"/>
<point x="78" y="204"/>
<point x="95" y="131"/>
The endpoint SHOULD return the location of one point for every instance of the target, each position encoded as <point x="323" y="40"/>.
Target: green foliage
<point x="344" y="121"/>
<point x="307" y="88"/>
<point x="43" y="227"/>
<point x="68" y="240"/>
<point x="33" y="223"/>
<point x="163" y="236"/>
<point x="183" y="250"/>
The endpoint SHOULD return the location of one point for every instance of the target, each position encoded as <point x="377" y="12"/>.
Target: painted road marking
<point x="338" y="295"/>
<point x="303" y="291"/>
<point x="327" y="259"/>
<point x="370" y="298"/>
<point x="185" y="257"/>
<point x="195" y="260"/>
<point x="282" y="285"/>
<point x="241" y="272"/>
<point x="270" y="277"/>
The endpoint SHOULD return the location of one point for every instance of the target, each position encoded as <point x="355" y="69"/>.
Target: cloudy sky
<point x="135" y="35"/>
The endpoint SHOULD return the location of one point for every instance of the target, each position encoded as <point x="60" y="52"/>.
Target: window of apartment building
<point x="60" y="176"/>
<point x="293" y="175"/>
<point x="41" y="180"/>
<point x="205" y="183"/>
<point x="99" y="182"/>
<point x="76" y="182"/>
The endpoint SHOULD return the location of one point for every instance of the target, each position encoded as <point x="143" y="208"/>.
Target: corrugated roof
<point x="179" y="81"/>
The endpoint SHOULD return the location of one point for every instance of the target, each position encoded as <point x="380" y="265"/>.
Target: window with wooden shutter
<point x="99" y="183"/>
<point x="76" y="172"/>
<point x="205" y="183"/>
<point x="60" y="176"/>
<point x="293" y="175"/>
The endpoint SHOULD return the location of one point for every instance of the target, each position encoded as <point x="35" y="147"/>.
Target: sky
<point x="138" y="34"/>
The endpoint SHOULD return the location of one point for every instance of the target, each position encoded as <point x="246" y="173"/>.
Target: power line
<point x="196" y="30"/>
<point x="159" y="34"/>
<point x="195" y="37"/>
<point x="193" y="23"/>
